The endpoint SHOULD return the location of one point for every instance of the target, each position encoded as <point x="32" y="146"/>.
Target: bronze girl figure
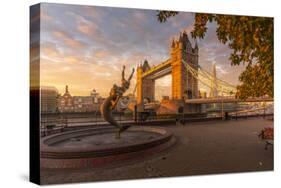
<point x="110" y="103"/>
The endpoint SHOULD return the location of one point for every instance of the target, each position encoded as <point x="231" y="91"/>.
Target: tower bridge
<point x="186" y="74"/>
<point x="184" y="84"/>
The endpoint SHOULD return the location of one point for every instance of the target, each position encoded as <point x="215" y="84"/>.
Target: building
<point x="68" y="103"/>
<point x="48" y="98"/>
<point x="83" y="104"/>
<point x="95" y="95"/>
<point x="65" y="102"/>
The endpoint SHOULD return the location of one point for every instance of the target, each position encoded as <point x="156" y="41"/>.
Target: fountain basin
<point x="97" y="147"/>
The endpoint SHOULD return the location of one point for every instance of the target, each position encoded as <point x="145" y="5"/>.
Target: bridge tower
<point x="145" y="86"/>
<point x="214" y="85"/>
<point x="184" y="84"/>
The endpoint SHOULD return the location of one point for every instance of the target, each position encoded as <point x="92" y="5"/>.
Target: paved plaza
<point x="200" y="148"/>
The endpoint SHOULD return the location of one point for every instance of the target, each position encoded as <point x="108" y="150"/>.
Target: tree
<point x="251" y="41"/>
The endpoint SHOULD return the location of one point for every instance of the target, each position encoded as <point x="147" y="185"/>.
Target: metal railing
<point x="54" y="123"/>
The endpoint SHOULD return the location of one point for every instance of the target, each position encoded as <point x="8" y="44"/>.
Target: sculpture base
<point x="98" y="147"/>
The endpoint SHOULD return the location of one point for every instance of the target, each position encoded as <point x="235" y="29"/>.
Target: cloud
<point x="140" y="15"/>
<point x="68" y="40"/>
<point x="45" y="16"/>
<point x="72" y="59"/>
<point x="50" y="50"/>
<point x="86" y="46"/>
<point x="100" y="53"/>
<point x="221" y="70"/>
<point x="85" y="26"/>
<point x="86" y="29"/>
<point x="66" y="68"/>
<point x="80" y="77"/>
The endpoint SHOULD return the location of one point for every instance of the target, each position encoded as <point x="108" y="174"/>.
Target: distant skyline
<point x="85" y="47"/>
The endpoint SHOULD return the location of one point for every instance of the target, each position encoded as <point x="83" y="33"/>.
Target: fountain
<point x="101" y="146"/>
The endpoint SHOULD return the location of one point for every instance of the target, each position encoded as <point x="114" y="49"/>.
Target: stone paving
<point x="200" y="148"/>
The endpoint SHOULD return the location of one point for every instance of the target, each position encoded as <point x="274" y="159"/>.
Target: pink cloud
<point x="72" y="59"/>
<point x="101" y="54"/>
<point x="45" y="16"/>
<point x="50" y="50"/>
<point x="86" y="27"/>
<point x="68" y="40"/>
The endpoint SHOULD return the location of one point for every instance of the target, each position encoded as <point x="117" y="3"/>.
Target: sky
<point x="85" y="47"/>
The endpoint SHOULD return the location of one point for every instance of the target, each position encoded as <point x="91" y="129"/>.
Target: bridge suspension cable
<point x="207" y="79"/>
<point x="222" y="82"/>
